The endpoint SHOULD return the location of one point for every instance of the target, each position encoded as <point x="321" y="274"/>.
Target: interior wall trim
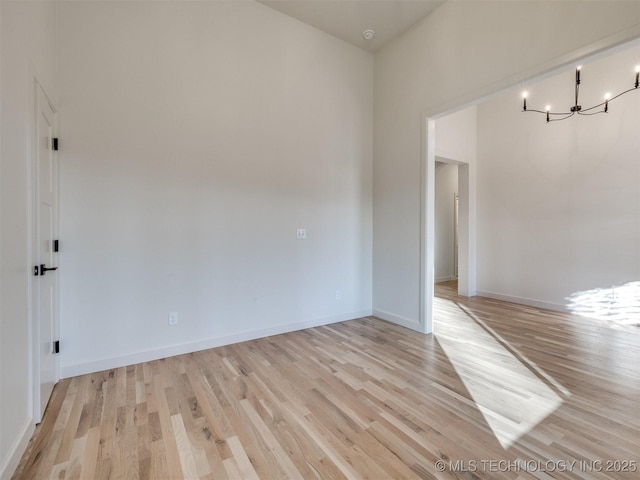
<point x="179" y="349"/>
<point x="10" y="463"/>
<point x="525" y="301"/>
<point x="398" y="320"/>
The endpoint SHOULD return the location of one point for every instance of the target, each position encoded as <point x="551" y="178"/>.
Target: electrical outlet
<point x="338" y="294"/>
<point x="173" y="318"/>
<point x="301" y="233"/>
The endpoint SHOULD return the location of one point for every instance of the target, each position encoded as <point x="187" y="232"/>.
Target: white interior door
<point x="46" y="257"/>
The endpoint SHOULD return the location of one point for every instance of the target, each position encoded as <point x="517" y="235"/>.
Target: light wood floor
<point x="505" y="391"/>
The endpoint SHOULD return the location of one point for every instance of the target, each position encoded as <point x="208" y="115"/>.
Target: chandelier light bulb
<point x="548" y="108"/>
<point x="607" y="96"/>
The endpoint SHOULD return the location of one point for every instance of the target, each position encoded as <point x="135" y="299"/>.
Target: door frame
<point x="467" y="220"/>
<point x="35" y="88"/>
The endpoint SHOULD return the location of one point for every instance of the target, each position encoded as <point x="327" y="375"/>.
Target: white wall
<point x="27" y="47"/>
<point x="558" y="203"/>
<point x="456" y="136"/>
<point x="462" y="52"/>
<point x="196" y="138"/>
<point x="446" y="189"/>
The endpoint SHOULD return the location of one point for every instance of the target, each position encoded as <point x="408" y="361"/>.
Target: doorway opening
<point x="451" y="155"/>
<point x="446" y="222"/>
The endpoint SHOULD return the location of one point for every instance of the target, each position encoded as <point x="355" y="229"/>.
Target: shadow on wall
<point x="618" y="305"/>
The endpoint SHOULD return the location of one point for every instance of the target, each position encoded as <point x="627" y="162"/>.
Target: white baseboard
<point x="172" y="350"/>
<point x="524" y="301"/>
<point x="18" y="448"/>
<point x="445" y="279"/>
<point x="398" y="320"/>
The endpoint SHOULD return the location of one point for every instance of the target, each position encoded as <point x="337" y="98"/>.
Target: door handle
<point x="44" y="269"/>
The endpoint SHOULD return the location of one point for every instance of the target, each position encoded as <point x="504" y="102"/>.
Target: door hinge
<point x="56" y="346"/>
<point x="54" y="143"/>
<point x="56" y="245"/>
<point x="36" y="271"/>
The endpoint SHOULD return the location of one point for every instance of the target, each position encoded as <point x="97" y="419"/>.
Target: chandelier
<point x="576" y="108"/>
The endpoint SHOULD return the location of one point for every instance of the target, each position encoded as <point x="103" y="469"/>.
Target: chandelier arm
<point x="620" y="94"/>
<point x="603" y="103"/>
<point x="545" y="112"/>
<point x="583" y="112"/>
<point x="569" y="115"/>
<point x="592" y="113"/>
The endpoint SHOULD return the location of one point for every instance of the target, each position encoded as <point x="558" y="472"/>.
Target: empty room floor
<point x="498" y="391"/>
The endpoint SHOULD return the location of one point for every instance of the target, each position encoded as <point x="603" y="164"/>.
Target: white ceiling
<point x="347" y="19"/>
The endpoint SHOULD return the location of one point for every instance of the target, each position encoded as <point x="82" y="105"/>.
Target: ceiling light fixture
<point x="368" y="34"/>
<point x="577" y="108"/>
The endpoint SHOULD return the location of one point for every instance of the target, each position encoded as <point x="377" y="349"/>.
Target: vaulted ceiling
<point x="347" y="19"/>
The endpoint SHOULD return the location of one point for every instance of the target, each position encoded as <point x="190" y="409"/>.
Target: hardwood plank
<point x="187" y="461"/>
<point x="174" y="469"/>
<point x="240" y="460"/>
<point x="90" y="454"/>
<point x="497" y="382"/>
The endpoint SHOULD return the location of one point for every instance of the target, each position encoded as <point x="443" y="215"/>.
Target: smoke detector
<point x="368" y="34"/>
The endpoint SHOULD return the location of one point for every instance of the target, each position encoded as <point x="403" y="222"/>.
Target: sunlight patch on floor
<point x="619" y="305"/>
<point x="512" y="395"/>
